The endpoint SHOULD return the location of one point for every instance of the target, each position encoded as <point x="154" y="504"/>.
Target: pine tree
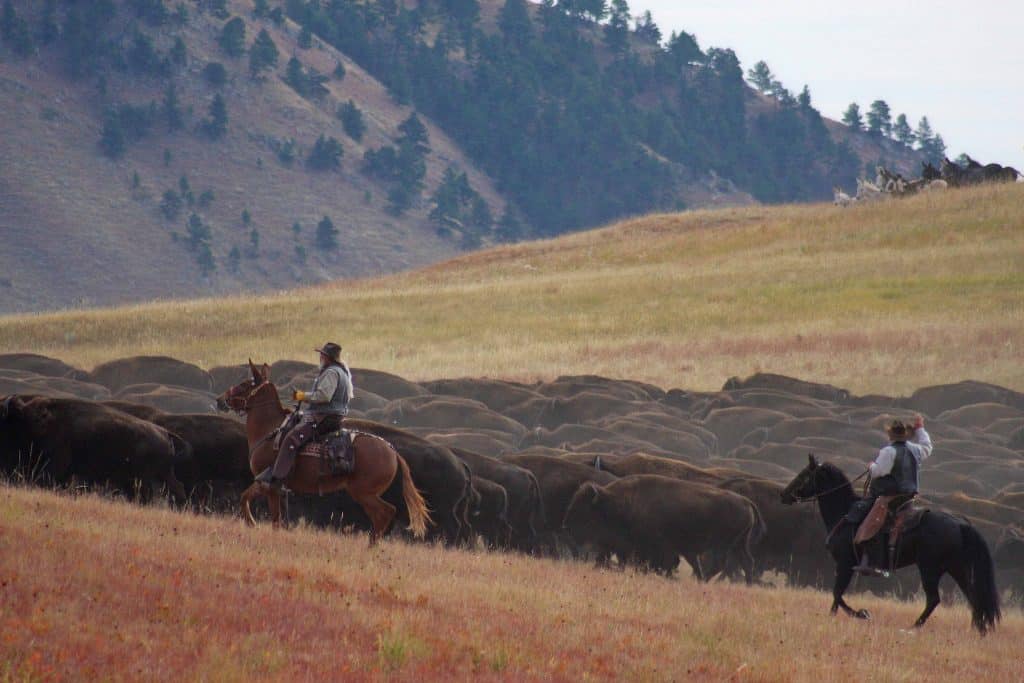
<point x="326" y="154"/>
<point x="804" y="98"/>
<point x="923" y="134"/>
<point x="262" y="55"/>
<point x="179" y="54"/>
<point x="112" y="139"/>
<point x="326" y="234"/>
<point x="514" y="23"/>
<point x="647" y="30"/>
<point x="352" y="120"/>
<point x="305" y="38"/>
<point x="760" y="76"/>
<point x="902" y="131"/>
<point x="232" y="38"/>
<point x="852" y="118"/>
<point x="616" y="31"/>
<point x="15" y="31"/>
<point x="216" y="125"/>
<point x="172" y="112"/>
<point x="879" y="119"/>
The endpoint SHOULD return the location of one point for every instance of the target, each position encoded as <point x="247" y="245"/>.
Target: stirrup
<point x="267" y="478"/>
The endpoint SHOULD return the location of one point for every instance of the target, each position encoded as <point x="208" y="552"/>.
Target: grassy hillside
<point x="76" y="231"/>
<point x="876" y="298"/>
<point x="101" y="590"/>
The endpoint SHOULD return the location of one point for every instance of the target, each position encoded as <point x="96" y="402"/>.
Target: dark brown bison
<point x="488" y="513"/>
<point x="442" y="478"/>
<point x="940" y="398"/>
<point x="75" y="439"/>
<point x="57" y="387"/>
<point x="170" y="399"/>
<point x="120" y="373"/>
<point x="495" y="394"/>
<point x="526" y="514"/>
<point x="558" y="481"/>
<point x="794" y="541"/>
<point x="41" y="365"/>
<point x="567" y="386"/>
<point x="730" y="425"/>
<point x="446" y="412"/>
<point x="643" y="463"/>
<point x="220" y="450"/>
<point x="654" y="520"/>
<point x="789" y="385"/>
<point x="385" y="384"/>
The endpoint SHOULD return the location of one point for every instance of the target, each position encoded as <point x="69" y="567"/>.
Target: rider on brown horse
<point x="327" y="407"/>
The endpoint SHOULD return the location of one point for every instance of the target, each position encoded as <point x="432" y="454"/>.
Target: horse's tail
<point x="981" y="580"/>
<point x="419" y="515"/>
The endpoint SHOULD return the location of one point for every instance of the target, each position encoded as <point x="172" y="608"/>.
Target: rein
<point x="816" y="496"/>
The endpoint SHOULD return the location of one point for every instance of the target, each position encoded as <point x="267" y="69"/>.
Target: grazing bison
<point x="789" y="385"/>
<point x="220" y="449"/>
<point x="446" y="412"/>
<point x="558" y="481"/>
<point x="170" y="399"/>
<point x="525" y="503"/>
<point x="385" y="384"/>
<point x="488" y="514"/>
<point x="442" y="478"/>
<point x="76" y="439"/>
<point x="656" y="519"/>
<point x="937" y="399"/>
<point x="731" y="425"/>
<point x="495" y="394"/>
<point x="123" y="372"/>
<point x="41" y="365"/>
<point x="643" y="463"/>
<point x="793" y="543"/>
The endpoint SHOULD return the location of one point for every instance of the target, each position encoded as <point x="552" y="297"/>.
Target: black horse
<point x="940" y="544"/>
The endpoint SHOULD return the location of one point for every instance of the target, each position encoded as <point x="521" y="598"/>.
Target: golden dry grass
<point x="879" y="298"/>
<point x="99" y="590"/>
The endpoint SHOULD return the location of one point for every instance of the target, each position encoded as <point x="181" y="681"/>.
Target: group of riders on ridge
<point x="894" y="473"/>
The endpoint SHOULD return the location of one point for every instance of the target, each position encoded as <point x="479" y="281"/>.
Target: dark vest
<point x="338" y="405"/>
<point x="902" y="478"/>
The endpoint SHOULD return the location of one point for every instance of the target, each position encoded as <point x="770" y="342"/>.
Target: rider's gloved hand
<point x="299" y="395"/>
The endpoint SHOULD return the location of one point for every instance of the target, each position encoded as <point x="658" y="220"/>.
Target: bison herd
<point x="584" y="466"/>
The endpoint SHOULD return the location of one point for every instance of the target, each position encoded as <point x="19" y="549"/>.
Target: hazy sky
<point x="961" y="64"/>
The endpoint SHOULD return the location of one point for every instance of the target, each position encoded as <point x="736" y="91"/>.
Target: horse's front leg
<point x="254" y="491"/>
<point x="274" y="503"/>
<point x="844" y="574"/>
<point x="930" y="583"/>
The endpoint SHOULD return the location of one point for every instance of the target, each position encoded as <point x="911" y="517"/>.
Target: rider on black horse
<point x="327" y="405"/>
<point x="894" y="473"/>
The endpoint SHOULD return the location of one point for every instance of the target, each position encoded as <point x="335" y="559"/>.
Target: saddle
<point x="337" y="456"/>
<point x="892" y="514"/>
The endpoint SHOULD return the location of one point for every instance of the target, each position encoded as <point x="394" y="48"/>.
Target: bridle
<point x="233" y="394"/>
<point x="816" y="495"/>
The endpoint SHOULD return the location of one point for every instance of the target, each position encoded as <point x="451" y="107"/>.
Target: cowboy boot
<point x="267" y="477"/>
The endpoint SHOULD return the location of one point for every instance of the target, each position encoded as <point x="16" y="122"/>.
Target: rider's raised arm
<point x="923" y="442"/>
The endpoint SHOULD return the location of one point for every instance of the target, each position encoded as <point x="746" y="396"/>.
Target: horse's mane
<point x="833" y="475"/>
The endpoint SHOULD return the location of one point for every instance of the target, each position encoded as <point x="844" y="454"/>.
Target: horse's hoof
<point x="862" y="614"/>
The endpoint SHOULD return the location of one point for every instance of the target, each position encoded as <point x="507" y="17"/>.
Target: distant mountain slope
<point x="76" y="231"/>
<point x="554" y="128"/>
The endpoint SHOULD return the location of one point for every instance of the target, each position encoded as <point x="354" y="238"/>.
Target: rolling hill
<point x="82" y="229"/>
<point x="875" y="298"/>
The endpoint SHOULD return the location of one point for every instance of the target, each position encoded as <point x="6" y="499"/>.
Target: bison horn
<point x="811" y="461"/>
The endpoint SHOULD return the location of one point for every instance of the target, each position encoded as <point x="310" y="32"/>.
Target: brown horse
<point x="376" y="462"/>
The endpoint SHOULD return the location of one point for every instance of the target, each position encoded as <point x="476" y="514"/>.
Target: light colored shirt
<point x="919" y="445"/>
<point x="325" y="389"/>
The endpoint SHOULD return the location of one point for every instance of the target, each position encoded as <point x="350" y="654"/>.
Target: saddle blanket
<point x="335" y="449"/>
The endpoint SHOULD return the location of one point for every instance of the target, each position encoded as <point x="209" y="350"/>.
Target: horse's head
<point x="238" y="397"/>
<point x="929" y="172"/>
<point x="804" y="485"/>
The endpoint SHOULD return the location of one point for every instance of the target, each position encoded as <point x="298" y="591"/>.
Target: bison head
<point x="583" y="508"/>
